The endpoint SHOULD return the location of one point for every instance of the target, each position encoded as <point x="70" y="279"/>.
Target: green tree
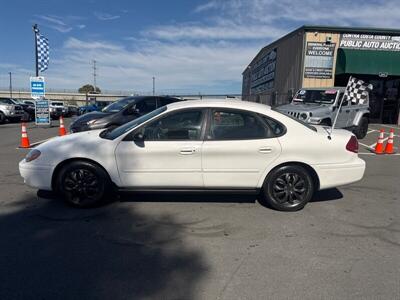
<point x="88" y="88"/>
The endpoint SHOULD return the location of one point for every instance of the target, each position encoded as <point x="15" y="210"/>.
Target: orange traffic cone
<point x="389" y="145"/>
<point x="24" y="137"/>
<point x="62" y="131"/>
<point x="379" y="144"/>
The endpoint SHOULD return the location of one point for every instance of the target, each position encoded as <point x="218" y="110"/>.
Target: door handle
<point x="187" y="151"/>
<point x="265" y="150"/>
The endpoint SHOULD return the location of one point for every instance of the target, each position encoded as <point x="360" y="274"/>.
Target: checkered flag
<point x="356" y="90"/>
<point x="42" y="52"/>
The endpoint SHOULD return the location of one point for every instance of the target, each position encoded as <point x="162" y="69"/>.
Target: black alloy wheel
<point x="83" y="184"/>
<point x="288" y="188"/>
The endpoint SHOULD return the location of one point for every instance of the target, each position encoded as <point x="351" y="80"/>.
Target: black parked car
<point x="120" y="112"/>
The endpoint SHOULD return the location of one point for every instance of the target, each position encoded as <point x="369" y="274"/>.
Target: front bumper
<point x="333" y="175"/>
<point x="36" y="176"/>
<point x="14" y="113"/>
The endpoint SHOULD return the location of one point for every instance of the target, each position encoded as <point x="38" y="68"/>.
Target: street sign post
<point x="37" y="87"/>
<point x="42" y="106"/>
<point x="42" y="112"/>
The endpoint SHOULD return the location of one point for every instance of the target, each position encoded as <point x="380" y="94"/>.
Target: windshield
<point x="316" y="96"/>
<point x="112" y="134"/>
<point x="119" y="105"/>
<point x="17" y="101"/>
<point x="57" y="103"/>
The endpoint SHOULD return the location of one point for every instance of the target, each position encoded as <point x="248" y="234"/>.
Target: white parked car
<point x="199" y="145"/>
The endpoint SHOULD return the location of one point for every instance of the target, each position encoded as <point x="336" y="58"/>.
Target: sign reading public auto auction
<point x="319" y="60"/>
<point x="369" y="42"/>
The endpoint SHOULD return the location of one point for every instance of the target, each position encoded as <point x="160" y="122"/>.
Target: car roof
<point x="238" y="104"/>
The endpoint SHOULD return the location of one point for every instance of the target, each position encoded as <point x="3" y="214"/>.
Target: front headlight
<point x="303" y="116"/>
<point x="32" y="155"/>
<point x="91" y="122"/>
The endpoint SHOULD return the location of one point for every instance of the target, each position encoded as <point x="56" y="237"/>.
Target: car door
<point x="170" y="154"/>
<point x="237" y="149"/>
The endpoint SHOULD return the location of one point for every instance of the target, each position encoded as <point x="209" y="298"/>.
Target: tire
<point x="83" y="184"/>
<point x="288" y="188"/>
<point x="361" y="130"/>
<point x="2" y="118"/>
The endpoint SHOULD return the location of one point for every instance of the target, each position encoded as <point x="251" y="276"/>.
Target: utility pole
<point x="94" y="75"/>
<point x="10" y="84"/>
<point x="154" y="86"/>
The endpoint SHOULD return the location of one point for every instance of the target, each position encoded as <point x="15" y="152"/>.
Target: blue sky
<point x="189" y="46"/>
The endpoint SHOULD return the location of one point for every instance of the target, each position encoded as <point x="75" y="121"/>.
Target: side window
<point x="147" y="105"/>
<point x="236" y="125"/>
<point x="184" y="125"/>
<point x="277" y="128"/>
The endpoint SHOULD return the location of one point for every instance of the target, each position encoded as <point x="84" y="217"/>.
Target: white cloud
<point x="177" y="67"/>
<point x="81" y="26"/>
<point x="206" y="6"/>
<point x="205" y="56"/>
<point x="222" y="31"/>
<point x="105" y="16"/>
<point x="55" y="22"/>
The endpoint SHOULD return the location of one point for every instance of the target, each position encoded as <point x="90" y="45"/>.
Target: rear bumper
<point x="333" y="175"/>
<point x="36" y="176"/>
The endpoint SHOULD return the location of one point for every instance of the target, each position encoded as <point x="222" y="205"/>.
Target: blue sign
<point x="37" y="87"/>
<point x="42" y="112"/>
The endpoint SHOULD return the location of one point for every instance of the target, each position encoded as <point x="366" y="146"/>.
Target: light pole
<point x="154" y="86"/>
<point x="9" y="73"/>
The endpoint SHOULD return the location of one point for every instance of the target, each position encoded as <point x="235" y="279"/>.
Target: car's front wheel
<point x="83" y="184"/>
<point x="288" y="188"/>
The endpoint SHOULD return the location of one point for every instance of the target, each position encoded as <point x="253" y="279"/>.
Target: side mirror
<point x="138" y="137"/>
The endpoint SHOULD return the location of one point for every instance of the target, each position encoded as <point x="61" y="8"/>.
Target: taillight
<point x="352" y="144"/>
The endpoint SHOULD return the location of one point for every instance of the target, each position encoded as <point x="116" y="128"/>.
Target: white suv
<point x="10" y="111"/>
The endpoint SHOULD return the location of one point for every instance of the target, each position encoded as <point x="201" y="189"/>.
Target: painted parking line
<point x="378" y="155"/>
<point x="388" y="126"/>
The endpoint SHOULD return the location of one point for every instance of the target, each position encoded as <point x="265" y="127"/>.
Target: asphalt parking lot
<point x="345" y="244"/>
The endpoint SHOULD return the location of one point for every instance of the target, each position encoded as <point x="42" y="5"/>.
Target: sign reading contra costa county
<point x="369" y="42"/>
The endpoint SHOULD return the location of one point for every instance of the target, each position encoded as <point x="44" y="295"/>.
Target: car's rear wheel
<point x="83" y="184"/>
<point x="288" y="188"/>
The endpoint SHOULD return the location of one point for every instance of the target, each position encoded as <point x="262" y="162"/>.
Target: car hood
<point x="95" y="115"/>
<point x="304" y="107"/>
<point x="82" y="144"/>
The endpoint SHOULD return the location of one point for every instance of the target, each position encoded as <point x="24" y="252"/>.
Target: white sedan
<point x="208" y="145"/>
